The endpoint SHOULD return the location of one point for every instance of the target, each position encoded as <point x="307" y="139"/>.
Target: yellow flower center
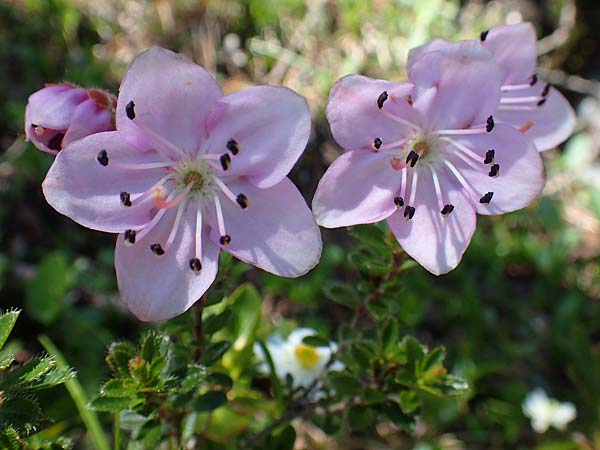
<point x="196" y="179"/>
<point x="306" y="355"/>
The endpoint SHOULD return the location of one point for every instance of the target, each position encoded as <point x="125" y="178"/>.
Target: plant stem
<point x="79" y="397"/>
<point x="197" y="330"/>
<point x="117" y="431"/>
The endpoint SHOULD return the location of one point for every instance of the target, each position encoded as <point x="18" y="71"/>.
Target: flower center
<point x="195" y="179"/>
<point x="307" y="355"/>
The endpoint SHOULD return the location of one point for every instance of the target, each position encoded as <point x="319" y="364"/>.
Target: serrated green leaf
<point x="109" y="404"/>
<point x="7" y="322"/>
<point x="131" y="421"/>
<point x="209" y="401"/>
<point x="153" y="346"/>
<point x="37" y="368"/>
<point x="389" y="336"/>
<point x="434" y="360"/>
<point x="21" y="413"/>
<point x="344" y="384"/>
<point x="119" y="387"/>
<point x="409" y="400"/>
<point x="193" y="378"/>
<point x="119" y="355"/>
<point x="9" y="439"/>
<point x="6" y="361"/>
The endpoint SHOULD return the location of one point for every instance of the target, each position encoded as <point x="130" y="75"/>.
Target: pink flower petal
<point x="87" y="119"/>
<point x="354" y="116"/>
<point x="515" y="49"/>
<point x="358" y="187"/>
<point x="277" y="232"/>
<point x="456" y="86"/>
<point x="78" y="186"/>
<point x="172" y="98"/>
<point x="435" y="241"/>
<point x="547" y="125"/>
<point x="53" y="106"/>
<point x="521" y="172"/>
<point x="270" y="125"/>
<point x="157" y="288"/>
<point x="416" y="53"/>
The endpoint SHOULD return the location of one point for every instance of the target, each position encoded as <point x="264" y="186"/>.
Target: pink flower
<point x="535" y="108"/>
<point x="188" y="173"/>
<point x="59" y="114"/>
<point x="427" y="155"/>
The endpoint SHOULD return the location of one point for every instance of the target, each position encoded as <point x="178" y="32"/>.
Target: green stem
<point x="79" y="398"/>
<point x="117" y="431"/>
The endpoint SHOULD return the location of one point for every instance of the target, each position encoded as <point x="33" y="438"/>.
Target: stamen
<point x="161" y="212"/>
<point x="486" y="198"/>
<point x="483" y="35"/>
<point x="130" y="110"/>
<point x="546" y="90"/>
<point x="438" y="190"/>
<point x="519" y="100"/>
<point x="489" y="124"/>
<point x="412" y="158"/>
<point x="102" y="158"/>
<point x="157" y="249"/>
<point x="129" y="237"/>
<point x="516" y="87"/>
<point x="125" y="199"/>
<point x="489" y="156"/>
<point x="225" y="238"/>
<point x="152" y="190"/>
<point x="541" y="102"/>
<point x="195" y="265"/>
<point x="233" y="146"/>
<point x="225" y="161"/>
<point x="228" y="192"/>
<point x="462" y="148"/>
<point x="400" y="120"/>
<point x="175" y="227"/>
<point x="394" y="145"/>
<point x="198" y="236"/>
<point x="413" y="187"/>
<point x="381" y="99"/>
<point x="466" y="186"/>
<point x="55" y="143"/>
<point x="533" y="80"/>
<point x="376" y="145"/>
<point x="463" y="131"/>
<point x="403" y="183"/>
<point x="242" y="200"/>
<point x="409" y="212"/>
<point x="447" y="209"/>
<point x="517" y="107"/>
<point x="399" y="202"/>
<point x="141" y="166"/>
<point x="494" y="170"/>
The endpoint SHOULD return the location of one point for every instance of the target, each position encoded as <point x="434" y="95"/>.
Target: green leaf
<point x="389" y="337"/>
<point x="131" y="421"/>
<point x="342" y="293"/>
<point x="359" y="417"/>
<point x="214" y="323"/>
<point x="9" y="439"/>
<point x="209" y="401"/>
<point x="7" y="322"/>
<point x="215" y="351"/>
<point x="282" y="440"/>
<point x="109" y="404"/>
<point x="22" y="413"/>
<point x="246" y="307"/>
<point x="119" y="387"/>
<point x="119" y="355"/>
<point x="315" y="341"/>
<point x="193" y="378"/>
<point x="153" y="346"/>
<point x="222" y="380"/>
<point x="344" y="384"/>
<point x="45" y="295"/>
<point x="409" y="400"/>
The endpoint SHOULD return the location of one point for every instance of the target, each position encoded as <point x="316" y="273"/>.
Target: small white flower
<point x="291" y="356"/>
<point x="545" y="412"/>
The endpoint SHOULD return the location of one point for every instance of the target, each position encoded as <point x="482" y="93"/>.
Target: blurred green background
<point x="523" y="308"/>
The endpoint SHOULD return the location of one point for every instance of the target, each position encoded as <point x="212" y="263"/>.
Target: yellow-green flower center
<point x="306" y="355"/>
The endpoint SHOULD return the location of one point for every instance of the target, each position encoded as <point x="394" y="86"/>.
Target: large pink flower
<point x="427" y="155"/>
<point x="527" y="103"/>
<point x="62" y="113"/>
<point x="188" y="173"/>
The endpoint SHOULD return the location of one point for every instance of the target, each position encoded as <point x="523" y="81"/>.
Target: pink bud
<point x="61" y="113"/>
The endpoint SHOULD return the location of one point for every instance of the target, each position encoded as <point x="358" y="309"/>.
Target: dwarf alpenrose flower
<point x="59" y="114"/>
<point x="190" y="172"/>
<point x="427" y="155"/>
<point x="527" y="103"/>
<point x="293" y="357"/>
<point x="545" y="412"/>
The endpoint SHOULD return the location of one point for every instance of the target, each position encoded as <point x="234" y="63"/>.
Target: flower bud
<point x="63" y="113"/>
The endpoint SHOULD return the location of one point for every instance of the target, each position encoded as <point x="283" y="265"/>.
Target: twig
<point x="560" y="36"/>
